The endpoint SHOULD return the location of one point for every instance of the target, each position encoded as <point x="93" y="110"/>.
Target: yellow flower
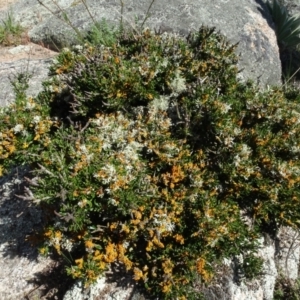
<point x="200" y="265"/>
<point x="42" y="250"/>
<point x="76" y="274"/>
<point x="98" y="255"/>
<point x="79" y="263"/>
<point x="111" y="253"/>
<point x="149" y="246"/>
<point x="25" y="145"/>
<point x="150" y="96"/>
<point x="102" y="265"/>
<point x="11" y="148"/>
<point x="113" y="226"/>
<point x="91" y="275"/>
<point x="138" y="274"/>
<point x="158" y="243"/>
<point x="202" y="271"/>
<point x="48" y="233"/>
<point x="89" y="244"/>
<point x="125" y="229"/>
<point x="142" y="208"/>
<point x="135" y="222"/>
<point x="37" y="137"/>
<point x="167" y="266"/>
<point x="166" y="287"/>
<point x="1" y="171"/>
<point x="128" y="263"/>
<point x="179" y="239"/>
<point x="58" y="235"/>
<point x="57" y="248"/>
<point x="145" y="268"/>
<point x="137" y="214"/>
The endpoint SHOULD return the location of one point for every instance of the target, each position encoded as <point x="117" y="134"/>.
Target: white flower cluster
<point x="286" y="170"/>
<point x="164" y="223"/>
<point x="178" y="84"/>
<point x="18" y="128"/>
<point x="242" y="157"/>
<point x="83" y="151"/>
<point x="160" y="104"/>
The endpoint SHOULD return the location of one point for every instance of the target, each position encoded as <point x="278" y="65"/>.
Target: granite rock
<point x="246" y="22"/>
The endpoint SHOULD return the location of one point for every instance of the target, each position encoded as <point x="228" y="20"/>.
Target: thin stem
<point x="291" y="77"/>
<point x="89" y="12"/>
<point x="147" y="14"/>
<point x="122" y="12"/>
<point x="65" y="19"/>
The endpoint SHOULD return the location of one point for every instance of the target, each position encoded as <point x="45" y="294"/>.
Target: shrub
<point x="149" y="153"/>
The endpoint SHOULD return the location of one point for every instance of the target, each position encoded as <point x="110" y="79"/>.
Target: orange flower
<point x="138" y="274"/>
<point x="167" y="266"/>
<point x="200" y="265"/>
<point x="149" y="246"/>
<point x="202" y="271"/>
<point x="137" y="214"/>
<point x="179" y="239"/>
<point x="48" y="233"/>
<point x="89" y="244"/>
<point x="158" y="243"/>
<point x="91" y="274"/>
<point x="111" y="253"/>
<point x="177" y="174"/>
<point x="125" y="229"/>
<point x="128" y="264"/>
<point x="98" y="255"/>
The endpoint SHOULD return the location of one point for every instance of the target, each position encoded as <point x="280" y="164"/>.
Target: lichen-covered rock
<point x="288" y="252"/>
<point x="38" y="70"/>
<point x="29" y="59"/>
<point x="257" y="41"/>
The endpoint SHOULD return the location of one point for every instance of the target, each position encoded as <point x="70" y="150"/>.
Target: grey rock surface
<point x="246" y="22"/>
<point x="38" y="70"/>
<point x="292" y="6"/>
<point x="20" y="263"/>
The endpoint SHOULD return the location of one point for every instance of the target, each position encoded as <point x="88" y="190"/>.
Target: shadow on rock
<point x="30" y="274"/>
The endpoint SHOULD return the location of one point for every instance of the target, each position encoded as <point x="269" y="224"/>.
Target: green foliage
<point x="102" y="34"/>
<point x="252" y="266"/>
<point x="287" y="27"/>
<point x="149" y="153"/>
<point x="20" y="84"/>
<point x="10" y="32"/>
<point x="141" y="68"/>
